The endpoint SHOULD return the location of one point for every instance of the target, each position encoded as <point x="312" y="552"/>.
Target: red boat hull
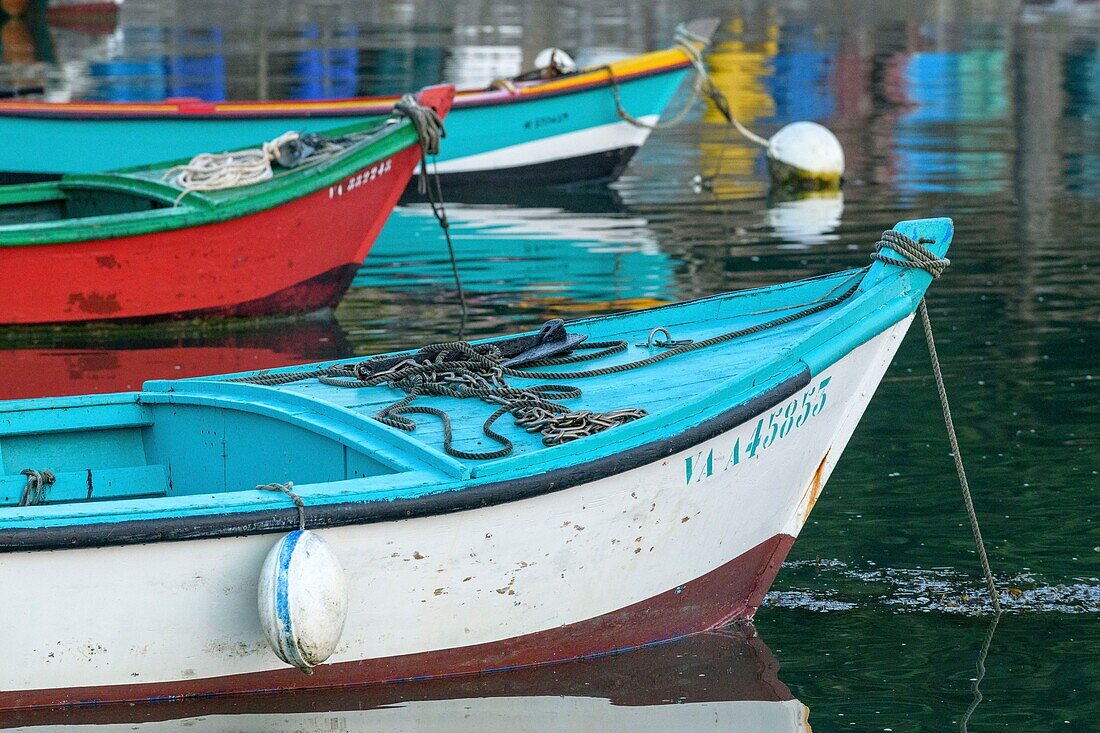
<point x="296" y="257"/>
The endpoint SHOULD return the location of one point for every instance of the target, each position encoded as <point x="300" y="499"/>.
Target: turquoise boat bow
<point x="656" y="501"/>
<point x="192" y="497"/>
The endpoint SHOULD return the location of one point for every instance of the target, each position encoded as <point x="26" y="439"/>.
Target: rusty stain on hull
<point x="813" y="491"/>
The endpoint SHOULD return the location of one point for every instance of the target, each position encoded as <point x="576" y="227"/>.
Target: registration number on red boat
<point x="361" y="178"/>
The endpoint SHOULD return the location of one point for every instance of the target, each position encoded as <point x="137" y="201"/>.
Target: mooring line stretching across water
<point x="957" y="455"/>
<point x="919" y="257"/>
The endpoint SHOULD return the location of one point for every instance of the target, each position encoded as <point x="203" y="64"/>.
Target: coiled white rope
<point x="218" y="171"/>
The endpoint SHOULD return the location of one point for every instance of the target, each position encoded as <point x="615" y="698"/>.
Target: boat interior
<point x="211" y="435"/>
<point x="77" y="199"/>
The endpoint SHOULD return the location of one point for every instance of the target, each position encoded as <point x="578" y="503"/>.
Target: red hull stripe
<point x="730" y="592"/>
<point x="726" y="665"/>
<point x="241" y="267"/>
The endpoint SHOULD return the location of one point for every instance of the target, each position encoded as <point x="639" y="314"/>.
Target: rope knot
<point x="35" y="490"/>
<point x="286" y="489"/>
<point x="428" y="123"/>
<point x="918" y="257"/>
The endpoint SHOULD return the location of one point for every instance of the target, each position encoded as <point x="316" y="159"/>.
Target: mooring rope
<point x="286" y="489"/>
<point x="430" y="130"/>
<point x="35" y="490"/>
<point x="921" y="258"/>
<point x="980" y="668"/>
<point x="704" y="85"/>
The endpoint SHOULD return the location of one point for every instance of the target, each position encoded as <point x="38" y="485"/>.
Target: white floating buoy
<point x="805" y="156"/>
<point x="303" y="600"/>
<point x="556" y="59"/>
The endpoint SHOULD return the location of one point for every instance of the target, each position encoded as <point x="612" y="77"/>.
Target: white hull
<point x="185" y="611"/>
<point x="576" y="144"/>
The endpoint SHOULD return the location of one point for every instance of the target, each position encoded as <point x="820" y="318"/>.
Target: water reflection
<point x="561" y="254"/>
<point x="48" y="363"/>
<point x="987" y="112"/>
<point x="720" y="681"/>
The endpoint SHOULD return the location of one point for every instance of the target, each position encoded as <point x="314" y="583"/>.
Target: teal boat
<point x="591" y="487"/>
<point x="551" y="127"/>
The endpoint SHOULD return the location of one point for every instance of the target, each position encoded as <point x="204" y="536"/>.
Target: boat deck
<point x="657" y="388"/>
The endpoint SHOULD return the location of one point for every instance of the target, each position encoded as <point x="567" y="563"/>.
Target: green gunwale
<point x="195" y="209"/>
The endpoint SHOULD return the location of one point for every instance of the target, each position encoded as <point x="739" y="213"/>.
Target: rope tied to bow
<point x="919" y="257"/>
<point x="286" y="489"/>
<point x="430" y="131"/>
<point x="34" y="493"/>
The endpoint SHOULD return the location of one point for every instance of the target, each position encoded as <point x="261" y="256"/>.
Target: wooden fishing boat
<point x="130" y="245"/>
<point x="562" y="129"/>
<point x="724" y="681"/>
<point x="142" y="545"/>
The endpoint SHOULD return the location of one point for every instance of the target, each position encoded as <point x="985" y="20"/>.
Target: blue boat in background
<point x="317" y="516"/>
<point x="549" y="127"/>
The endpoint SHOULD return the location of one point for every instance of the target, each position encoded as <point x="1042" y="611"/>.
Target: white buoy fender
<point x="303" y="599"/>
<point x="555" y="58"/>
<point x="805" y="155"/>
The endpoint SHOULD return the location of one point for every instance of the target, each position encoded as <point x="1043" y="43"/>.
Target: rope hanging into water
<point x="689" y="43"/>
<point x="34" y="493"/>
<point x="980" y="668"/>
<point x="218" y="171"/>
<point x="286" y="489"/>
<point x="430" y="130"/>
<point x="921" y="258"/>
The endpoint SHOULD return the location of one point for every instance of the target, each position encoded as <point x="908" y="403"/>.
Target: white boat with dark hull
<point x="658" y="504"/>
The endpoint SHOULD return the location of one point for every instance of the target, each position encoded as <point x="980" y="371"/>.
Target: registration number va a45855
<point x="755" y="438"/>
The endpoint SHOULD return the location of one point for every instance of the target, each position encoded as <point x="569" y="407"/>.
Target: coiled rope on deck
<point x="218" y="171"/>
<point x="462" y="370"/>
<point x="919" y="257"/>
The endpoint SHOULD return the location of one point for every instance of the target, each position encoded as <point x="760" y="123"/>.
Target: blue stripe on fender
<point x="282" y="600"/>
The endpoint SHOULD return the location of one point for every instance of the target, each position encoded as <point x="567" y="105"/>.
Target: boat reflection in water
<point x="546" y="253"/>
<point x="51" y="362"/>
<point x="724" y="680"/>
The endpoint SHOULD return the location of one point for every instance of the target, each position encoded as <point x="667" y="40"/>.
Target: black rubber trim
<point x="336" y="515"/>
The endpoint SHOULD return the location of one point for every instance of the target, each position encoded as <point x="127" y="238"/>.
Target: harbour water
<point x="987" y="112"/>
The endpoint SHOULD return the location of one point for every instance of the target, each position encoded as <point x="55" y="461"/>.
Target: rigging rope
<point x="921" y="258"/>
<point x="687" y="42"/>
<point x="429" y="128"/>
<point x="286" y="489"/>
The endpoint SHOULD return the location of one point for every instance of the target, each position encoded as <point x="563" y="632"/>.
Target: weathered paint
<point x="509" y="558"/>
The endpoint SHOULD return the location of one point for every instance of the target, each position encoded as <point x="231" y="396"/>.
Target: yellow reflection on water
<point x="738" y="68"/>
